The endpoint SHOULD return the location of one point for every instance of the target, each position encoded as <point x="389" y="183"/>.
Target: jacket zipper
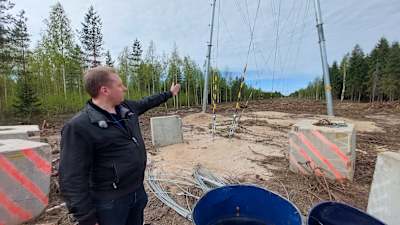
<point x="130" y="133"/>
<point x="116" y="177"/>
<point x="127" y="132"/>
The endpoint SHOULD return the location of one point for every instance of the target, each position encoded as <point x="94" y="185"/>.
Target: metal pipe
<point x="324" y="60"/>
<point x="207" y="74"/>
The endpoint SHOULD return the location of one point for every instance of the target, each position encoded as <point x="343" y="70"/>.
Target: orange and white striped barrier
<point x="25" y="170"/>
<point x="322" y="150"/>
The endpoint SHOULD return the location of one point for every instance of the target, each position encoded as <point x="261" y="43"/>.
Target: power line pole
<point x="206" y="75"/>
<point x="322" y="46"/>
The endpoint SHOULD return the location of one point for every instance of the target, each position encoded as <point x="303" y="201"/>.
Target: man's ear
<point x="104" y="90"/>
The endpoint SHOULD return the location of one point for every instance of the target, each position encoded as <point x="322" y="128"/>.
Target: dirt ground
<point x="256" y="154"/>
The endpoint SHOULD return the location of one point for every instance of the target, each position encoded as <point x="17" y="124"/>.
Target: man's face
<point x="115" y="90"/>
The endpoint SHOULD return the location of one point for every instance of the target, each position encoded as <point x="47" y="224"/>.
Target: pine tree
<point x="358" y="72"/>
<point x="5" y="23"/>
<point x="6" y="20"/>
<point x="151" y="60"/>
<point x="58" y="35"/>
<point x="391" y="79"/>
<point x="136" y="54"/>
<point x="134" y="60"/>
<point x="92" y="38"/>
<point x="75" y="70"/>
<point x="20" y="43"/>
<point x="373" y="77"/>
<point x="42" y="69"/>
<point x="58" y="42"/>
<point x="27" y="101"/>
<point x="188" y="72"/>
<point x="109" y="61"/>
<point x="123" y="67"/>
<point x="377" y="61"/>
<point x="174" y="72"/>
<point x="336" y="80"/>
<point x="164" y="73"/>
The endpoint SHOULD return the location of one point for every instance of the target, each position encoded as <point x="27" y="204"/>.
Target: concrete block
<point x="19" y="132"/>
<point x="166" y="130"/>
<point x="384" y="198"/>
<point x="25" y="170"/>
<point x="323" y="150"/>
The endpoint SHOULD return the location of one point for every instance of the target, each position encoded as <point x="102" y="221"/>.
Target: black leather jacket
<point x="102" y="159"/>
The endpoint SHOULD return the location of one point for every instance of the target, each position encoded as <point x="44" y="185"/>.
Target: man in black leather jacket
<point x="103" y="156"/>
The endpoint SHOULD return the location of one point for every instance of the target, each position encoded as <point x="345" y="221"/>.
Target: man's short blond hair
<point x="95" y="78"/>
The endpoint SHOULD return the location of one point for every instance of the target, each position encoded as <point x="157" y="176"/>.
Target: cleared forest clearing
<point x="256" y="154"/>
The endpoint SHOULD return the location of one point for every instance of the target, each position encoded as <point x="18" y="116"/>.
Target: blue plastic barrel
<point x="336" y="213"/>
<point x="244" y="204"/>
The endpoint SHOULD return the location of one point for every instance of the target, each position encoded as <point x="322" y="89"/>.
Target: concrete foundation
<point x="26" y="132"/>
<point x="25" y="170"/>
<point x="166" y="130"/>
<point x="384" y="198"/>
<point x="323" y="150"/>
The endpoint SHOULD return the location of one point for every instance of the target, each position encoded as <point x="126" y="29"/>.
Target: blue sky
<point x="283" y="65"/>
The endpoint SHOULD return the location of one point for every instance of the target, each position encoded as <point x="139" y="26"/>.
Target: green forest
<point x="362" y="77"/>
<point x="48" y="77"/>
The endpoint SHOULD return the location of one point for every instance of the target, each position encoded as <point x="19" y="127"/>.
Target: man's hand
<point x="175" y="89"/>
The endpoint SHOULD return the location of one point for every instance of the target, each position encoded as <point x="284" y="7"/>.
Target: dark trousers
<point x="126" y="210"/>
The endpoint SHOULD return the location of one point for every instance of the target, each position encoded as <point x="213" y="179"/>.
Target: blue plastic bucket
<point x="244" y="204"/>
<point x="336" y="213"/>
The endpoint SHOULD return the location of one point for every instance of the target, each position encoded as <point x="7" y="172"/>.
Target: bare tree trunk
<point x="64" y="82"/>
<point x="175" y="105"/>
<point x="165" y="89"/>
<point x="375" y="80"/>
<point x="178" y="102"/>
<point x="153" y="79"/>
<point x="352" y="94"/>
<point x="175" y="102"/>
<point x="94" y="57"/>
<point x="187" y="94"/>
<point x="5" y="91"/>
<point x="226" y="94"/>
<point x="41" y="82"/>
<point x="159" y="85"/>
<point x="127" y="79"/>
<point x="195" y="93"/>
<point x="211" y="91"/>
<point x="219" y="94"/>
<point x="1" y="106"/>
<point x="344" y="84"/>
<point x="149" y="88"/>
<point x="55" y="80"/>
<point x="79" y="88"/>
<point x="201" y="95"/>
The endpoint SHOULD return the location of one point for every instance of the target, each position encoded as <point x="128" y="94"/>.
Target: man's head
<point x="103" y="83"/>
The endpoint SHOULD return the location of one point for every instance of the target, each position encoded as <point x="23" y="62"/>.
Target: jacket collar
<point x="95" y="116"/>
